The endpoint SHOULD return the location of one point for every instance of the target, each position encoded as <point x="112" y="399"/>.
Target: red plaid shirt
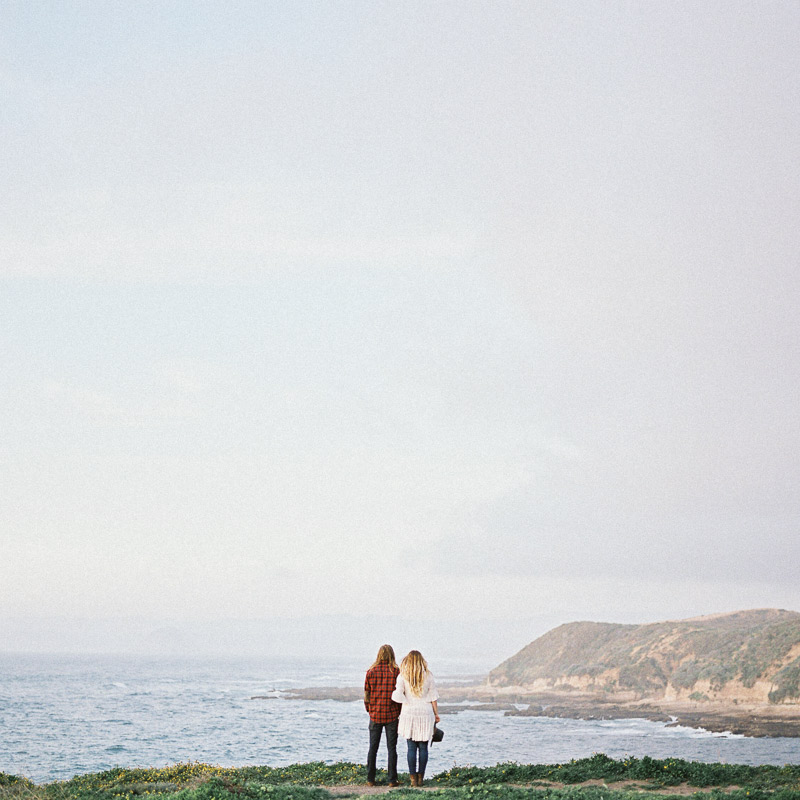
<point x="378" y="687"/>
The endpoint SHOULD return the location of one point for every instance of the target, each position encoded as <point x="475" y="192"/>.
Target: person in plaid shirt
<point x="383" y="711"/>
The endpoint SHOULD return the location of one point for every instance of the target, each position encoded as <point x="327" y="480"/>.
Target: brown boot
<point x="420" y="776"/>
<point x="413" y="776"/>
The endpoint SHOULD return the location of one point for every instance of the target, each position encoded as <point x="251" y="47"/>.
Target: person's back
<point x="378" y="687"/>
<point x="379" y="684"/>
<point x="416" y="691"/>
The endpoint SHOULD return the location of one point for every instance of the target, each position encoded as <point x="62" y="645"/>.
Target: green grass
<point x="510" y="781"/>
<point x="650" y="771"/>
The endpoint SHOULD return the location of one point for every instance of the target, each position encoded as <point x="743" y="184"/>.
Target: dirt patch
<point x="628" y="786"/>
<point x="362" y="788"/>
<point x="683" y="789"/>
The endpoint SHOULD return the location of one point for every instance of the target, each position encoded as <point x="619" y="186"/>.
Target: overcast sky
<point x="478" y="312"/>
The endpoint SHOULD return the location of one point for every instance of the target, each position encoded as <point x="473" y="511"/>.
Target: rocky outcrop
<point x="748" y="657"/>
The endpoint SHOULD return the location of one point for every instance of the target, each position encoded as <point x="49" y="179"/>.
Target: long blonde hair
<point x="414" y="669"/>
<point x="385" y="656"/>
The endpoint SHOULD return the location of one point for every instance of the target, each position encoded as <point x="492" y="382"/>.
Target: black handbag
<point x="438" y="734"/>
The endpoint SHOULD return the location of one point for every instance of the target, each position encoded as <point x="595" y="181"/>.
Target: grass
<point x="645" y="777"/>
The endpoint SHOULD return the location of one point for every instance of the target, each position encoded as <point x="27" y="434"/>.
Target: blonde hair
<point x="385" y="656"/>
<point x="414" y="669"/>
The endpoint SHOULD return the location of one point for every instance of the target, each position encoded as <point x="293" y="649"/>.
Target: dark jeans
<point x="375" y="729"/>
<point x="413" y="747"/>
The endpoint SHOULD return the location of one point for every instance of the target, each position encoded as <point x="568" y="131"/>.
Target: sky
<point x="325" y="324"/>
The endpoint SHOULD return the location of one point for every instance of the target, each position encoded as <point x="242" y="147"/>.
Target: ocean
<point x="66" y="715"/>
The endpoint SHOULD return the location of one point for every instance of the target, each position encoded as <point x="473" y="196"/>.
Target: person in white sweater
<point x="416" y="690"/>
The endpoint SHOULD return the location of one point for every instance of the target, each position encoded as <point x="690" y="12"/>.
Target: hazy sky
<point x="398" y="310"/>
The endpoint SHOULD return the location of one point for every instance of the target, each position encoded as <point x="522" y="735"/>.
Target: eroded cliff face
<point x="704" y="691"/>
<point x="748" y="657"/>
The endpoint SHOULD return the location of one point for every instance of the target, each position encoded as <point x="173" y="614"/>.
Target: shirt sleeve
<point x="432" y="693"/>
<point x="399" y="693"/>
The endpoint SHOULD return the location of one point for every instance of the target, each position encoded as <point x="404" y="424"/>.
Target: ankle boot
<point x="420" y="776"/>
<point x="413" y="776"/>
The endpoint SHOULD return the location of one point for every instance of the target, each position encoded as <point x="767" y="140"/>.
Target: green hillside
<point x="748" y="650"/>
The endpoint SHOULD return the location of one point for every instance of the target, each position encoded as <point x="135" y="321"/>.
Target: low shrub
<point x="508" y="781"/>
<point x="13" y="780"/>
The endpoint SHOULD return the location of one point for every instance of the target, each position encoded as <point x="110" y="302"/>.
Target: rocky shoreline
<point x="755" y="724"/>
<point x="755" y="721"/>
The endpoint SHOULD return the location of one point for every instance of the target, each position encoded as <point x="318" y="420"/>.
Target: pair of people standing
<point x="400" y="700"/>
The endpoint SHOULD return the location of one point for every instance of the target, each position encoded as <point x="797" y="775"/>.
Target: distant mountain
<point x="748" y="657"/>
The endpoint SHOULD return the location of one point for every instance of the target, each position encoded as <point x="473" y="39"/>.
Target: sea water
<point x="65" y="715"/>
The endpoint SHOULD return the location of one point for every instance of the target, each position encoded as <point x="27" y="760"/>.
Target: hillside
<point x="750" y="657"/>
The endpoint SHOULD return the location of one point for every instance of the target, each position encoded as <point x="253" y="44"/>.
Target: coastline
<point x="756" y="721"/>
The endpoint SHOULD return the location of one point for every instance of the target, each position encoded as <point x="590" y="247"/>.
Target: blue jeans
<point x="413" y="747"/>
<point x="375" y="729"/>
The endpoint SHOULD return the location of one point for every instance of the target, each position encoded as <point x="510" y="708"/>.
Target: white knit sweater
<point x="416" y="716"/>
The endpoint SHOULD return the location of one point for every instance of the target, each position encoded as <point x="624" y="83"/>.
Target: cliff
<point x="748" y="657"/>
